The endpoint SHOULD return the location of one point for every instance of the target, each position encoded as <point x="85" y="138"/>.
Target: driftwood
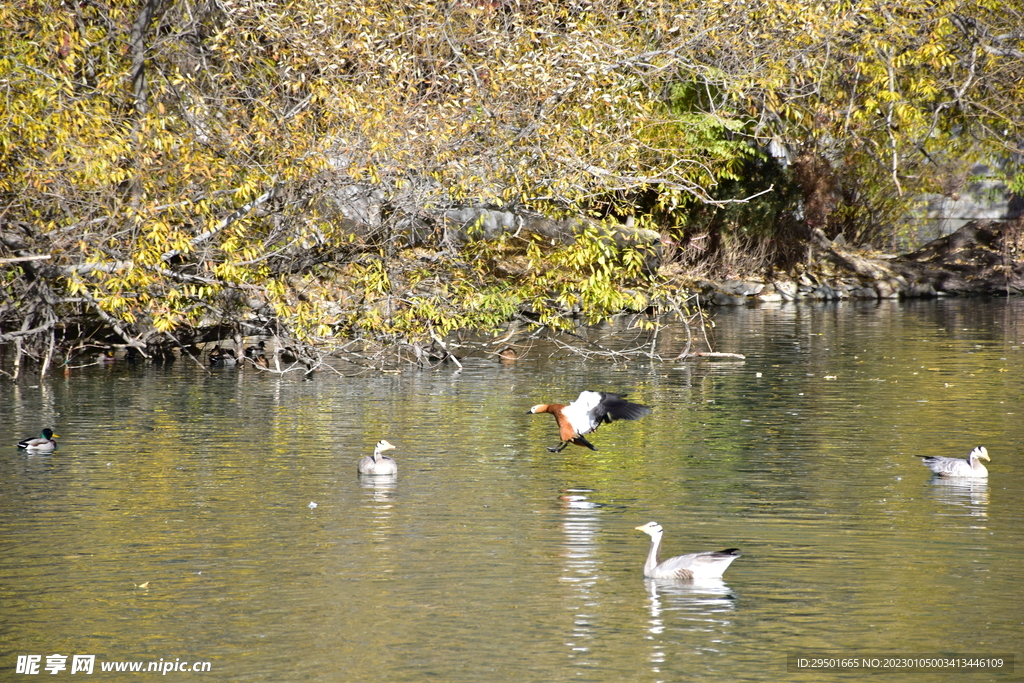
<point x="714" y="354"/>
<point x="17" y="259"/>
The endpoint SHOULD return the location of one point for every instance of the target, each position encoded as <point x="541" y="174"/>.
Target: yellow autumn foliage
<point x="183" y="163"/>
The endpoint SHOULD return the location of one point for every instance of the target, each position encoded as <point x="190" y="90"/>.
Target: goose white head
<point x="981" y="452"/>
<point x="378" y="463"/>
<point x="652" y="529"/>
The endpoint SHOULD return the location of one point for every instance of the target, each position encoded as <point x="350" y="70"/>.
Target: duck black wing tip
<point x="628" y="411"/>
<point x="580" y="441"/>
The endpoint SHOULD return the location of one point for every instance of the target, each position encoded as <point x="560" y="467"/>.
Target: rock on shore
<point x="981" y="258"/>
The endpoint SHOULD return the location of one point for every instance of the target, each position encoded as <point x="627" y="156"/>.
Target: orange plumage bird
<point x="587" y="413"/>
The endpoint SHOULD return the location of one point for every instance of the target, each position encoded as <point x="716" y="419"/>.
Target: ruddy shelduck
<point x="587" y="413"/>
<point x="377" y="463"/>
<point x="958" y="467"/>
<point x="706" y="565"/>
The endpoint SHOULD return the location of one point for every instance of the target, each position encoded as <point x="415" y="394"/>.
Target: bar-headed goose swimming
<point x="958" y="467"/>
<point x="707" y="565"/>
<point x="377" y="463"/>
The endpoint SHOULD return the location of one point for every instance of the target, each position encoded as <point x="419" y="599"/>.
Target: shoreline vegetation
<point x="392" y="185"/>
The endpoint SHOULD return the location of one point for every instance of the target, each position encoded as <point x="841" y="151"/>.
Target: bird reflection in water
<point x="380" y="499"/>
<point x="581" y="523"/>
<point x="969" y="493"/>
<point x="380" y="487"/>
<point x="702" y="602"/>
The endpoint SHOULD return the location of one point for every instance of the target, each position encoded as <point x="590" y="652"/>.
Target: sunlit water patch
<point x="175" y="519"/>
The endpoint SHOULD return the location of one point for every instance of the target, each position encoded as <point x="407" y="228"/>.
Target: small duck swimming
<point x="257" y="355"/>
<point x="43" y="444"/>
<point x="222" y="358"/>
<point x="508" y="355"/>
<point x="377" y="463"/>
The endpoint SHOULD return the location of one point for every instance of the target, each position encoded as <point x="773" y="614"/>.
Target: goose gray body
<point x="43" y="444"/>
<point x="958" y="467"/>
<point x="706" y="565"/>
<point x="377" y="463"/>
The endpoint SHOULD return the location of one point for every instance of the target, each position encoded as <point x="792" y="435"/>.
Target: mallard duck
<point x="958" y="467"/>
<point x="222" y="358"/>
<point x="706" y="565"/>
<point x="586" y="413"/>
<point x="189" y="350"/>
<point x="377" y="463"/>
<point x="287" y="354"/>
<point x="43" y="444"/>
<point x="508" y="355"/>
<point x="256" y="355"/>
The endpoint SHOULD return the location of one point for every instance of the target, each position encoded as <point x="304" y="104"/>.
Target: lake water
<point x="174" y="523"/>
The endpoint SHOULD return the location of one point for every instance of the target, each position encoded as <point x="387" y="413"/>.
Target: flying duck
<point x="707" y="565"/>
<point x="586" y="413"/>
<point x="43" y="444"/>
<point x="958" y="467"/>
<point x="377" y="463"/>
